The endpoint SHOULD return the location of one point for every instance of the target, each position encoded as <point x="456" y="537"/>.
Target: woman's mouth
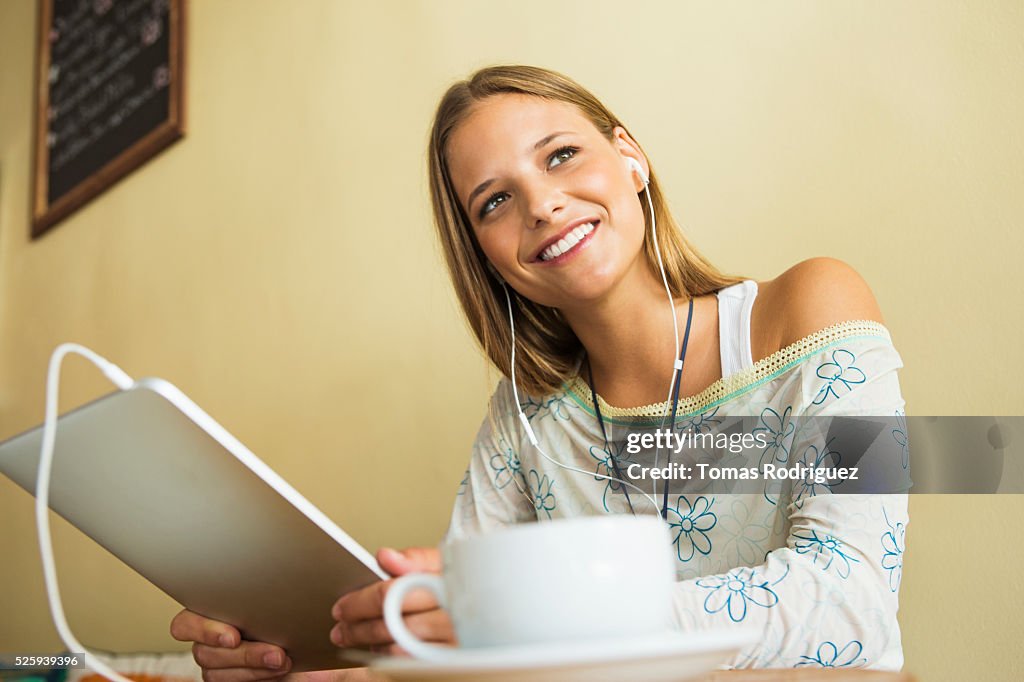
<point x="569" y="245"/>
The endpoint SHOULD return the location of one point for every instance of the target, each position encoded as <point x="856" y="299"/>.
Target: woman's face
<point x="551" y="200"/>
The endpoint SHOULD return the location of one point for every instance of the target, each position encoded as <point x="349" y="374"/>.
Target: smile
<point x="568" y="245"/>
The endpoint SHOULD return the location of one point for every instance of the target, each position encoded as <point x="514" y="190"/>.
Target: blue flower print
<point x="745" y="538"/>
<point x="827" y="548"/>
<point x="829" y="656"/>
<point x="540" y="491"/>
<point x="777" y="429"/>
<point x="702" y="423"/>
<point x="690" y="523"/>
<point x="894" y="544"/>
<point x="557" y="408"/>
<point x="531" y="407"/>
<point x="900" y="434"/>
<point x="507" y="468"/>
<point x="606" y="467"/>
<point x="813" y="460"/>
<point x="732" y="591"/>
<point x="463" y="483"/>
<point x="840" y="371"/>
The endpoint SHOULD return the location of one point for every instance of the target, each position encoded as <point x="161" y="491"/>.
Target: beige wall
<point x="278" y="263"/>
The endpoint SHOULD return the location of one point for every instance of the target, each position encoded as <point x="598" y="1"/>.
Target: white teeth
<point x="567" y="242"/>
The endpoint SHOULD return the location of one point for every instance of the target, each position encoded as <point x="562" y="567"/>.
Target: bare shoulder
<point x="808" y="297"/>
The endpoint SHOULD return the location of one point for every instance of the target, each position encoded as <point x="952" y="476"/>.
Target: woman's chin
<point x="583" y="294"/>
<point x="588" y="281"/>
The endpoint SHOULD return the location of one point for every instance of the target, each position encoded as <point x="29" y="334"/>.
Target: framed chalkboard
<point x="110" y="96"/>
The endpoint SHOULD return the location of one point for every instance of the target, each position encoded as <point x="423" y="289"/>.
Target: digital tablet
<point x="157" y="482"/>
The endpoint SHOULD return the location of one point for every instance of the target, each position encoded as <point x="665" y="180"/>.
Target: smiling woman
<point x="520" y="158"/>
<point x="540" y="192"/>
<point x="562" y="253"/>
<point x="537" y="194"/>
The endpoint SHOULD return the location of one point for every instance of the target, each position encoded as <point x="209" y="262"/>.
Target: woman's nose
<point x="545" y="200"/>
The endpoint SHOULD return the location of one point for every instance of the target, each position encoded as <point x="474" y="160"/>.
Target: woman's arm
<point x="810" y="296"/>
<point x="829" y="597"/>
<point x="494" y="491"/>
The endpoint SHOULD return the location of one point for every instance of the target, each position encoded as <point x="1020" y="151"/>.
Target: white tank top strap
<point x="735" y="304"/>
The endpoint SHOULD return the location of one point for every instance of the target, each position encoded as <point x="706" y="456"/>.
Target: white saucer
<point x="666" y="657"/>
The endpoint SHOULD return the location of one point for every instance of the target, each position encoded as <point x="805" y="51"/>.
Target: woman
<point x="539" y="191"/>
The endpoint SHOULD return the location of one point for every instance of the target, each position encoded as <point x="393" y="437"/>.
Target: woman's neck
<point x="629" y="340"/>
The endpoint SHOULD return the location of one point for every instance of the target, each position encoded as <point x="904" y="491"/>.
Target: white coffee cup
<point x="576" y="579"/>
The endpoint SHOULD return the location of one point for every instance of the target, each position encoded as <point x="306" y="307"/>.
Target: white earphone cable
<point x="529" y="429"/>
<point x="677" y="365"/>
<point x="122" y="381"/>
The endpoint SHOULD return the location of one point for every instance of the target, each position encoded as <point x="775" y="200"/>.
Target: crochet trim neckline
<point x="725" y="387"/>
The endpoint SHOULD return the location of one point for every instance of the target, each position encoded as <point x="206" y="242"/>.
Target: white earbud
<point x="635" y="166"/>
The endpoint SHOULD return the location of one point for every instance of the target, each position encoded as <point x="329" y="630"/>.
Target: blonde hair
<point x="547" y="349"/>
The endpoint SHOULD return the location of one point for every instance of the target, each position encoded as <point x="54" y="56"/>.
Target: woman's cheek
<point x="607" y="190"/>
<point x="500" y="246"/>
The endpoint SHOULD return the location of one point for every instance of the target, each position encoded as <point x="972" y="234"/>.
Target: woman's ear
<point x="629" y="149"/>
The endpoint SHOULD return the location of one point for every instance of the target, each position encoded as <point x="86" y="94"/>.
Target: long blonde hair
<point x="547" y="349"/>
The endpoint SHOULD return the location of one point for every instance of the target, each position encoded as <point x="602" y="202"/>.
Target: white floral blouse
<point x="818" y="576"/>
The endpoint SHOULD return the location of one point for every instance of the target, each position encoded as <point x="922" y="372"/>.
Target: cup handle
<point x="396" y="624"/>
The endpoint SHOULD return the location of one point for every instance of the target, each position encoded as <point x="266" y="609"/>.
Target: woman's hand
<point x="224" y="657"/>
<point x="360" y="613"/>
<point x="219" y="650"/>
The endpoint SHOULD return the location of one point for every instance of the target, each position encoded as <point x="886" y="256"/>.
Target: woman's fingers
<point x="259" y="655"/>
<point x="359" y="613"/>
<point x="430" y="626"/>
<point x="409" y="560"/>
<point x="219" y="650"/>
<point x="240" y="674"/>
<point x="368" y="603"/>
<point x="188" y="626"/>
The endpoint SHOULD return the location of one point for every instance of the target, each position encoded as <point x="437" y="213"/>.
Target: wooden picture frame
<point x="109" y="98"/>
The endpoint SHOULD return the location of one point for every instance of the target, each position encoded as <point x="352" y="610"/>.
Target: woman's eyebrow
<point x="479" y="190"/>
<point x="547" y="138"/>
<point x="487" y="183"/>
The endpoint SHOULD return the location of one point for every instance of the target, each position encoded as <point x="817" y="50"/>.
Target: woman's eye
<point x="492" y="203"/>
<point x="561" y="156"/>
